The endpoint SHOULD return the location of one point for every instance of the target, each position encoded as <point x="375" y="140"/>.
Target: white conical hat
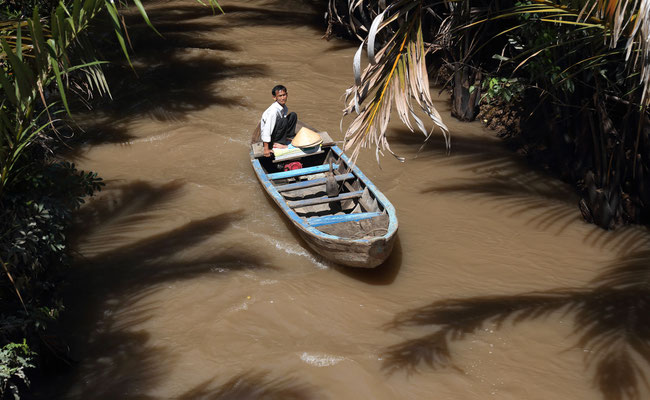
<point x="306" y="138"/>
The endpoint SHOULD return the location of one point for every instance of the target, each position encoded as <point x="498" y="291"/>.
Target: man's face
<point x="281" y="97"/>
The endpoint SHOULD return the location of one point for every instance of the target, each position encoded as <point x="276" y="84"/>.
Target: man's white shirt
<point x="269" y="118"/>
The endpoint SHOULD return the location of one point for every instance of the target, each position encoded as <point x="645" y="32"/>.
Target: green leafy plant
<point x="499" y="88"/>
<point x="15" y="358"/>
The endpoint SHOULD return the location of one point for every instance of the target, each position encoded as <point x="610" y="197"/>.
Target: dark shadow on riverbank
<point x="611" y="321"/>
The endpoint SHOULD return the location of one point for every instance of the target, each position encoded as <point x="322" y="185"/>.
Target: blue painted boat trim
<point x="312" y="182"/>
<point x="335" y="219"/>
<point x="324" y="199"/>
<point x="279" y="200"/>
<point x="381" y="199"/>
<point x="300" y="172"/>
<point x="296" y="219"/>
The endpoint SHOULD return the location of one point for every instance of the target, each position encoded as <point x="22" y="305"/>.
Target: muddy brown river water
<point x="189" y="283"/>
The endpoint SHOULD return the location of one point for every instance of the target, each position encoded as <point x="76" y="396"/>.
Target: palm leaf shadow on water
<point x="172" y="76"/>
<point x="185" y="70"/>
<point x="501" y="180"/>
<point x="611" y="315"/>
<point x="150" y="260"/>
<point x="109" y="294"/>
<point x="123" y="205"/>
<point x="275" y="14"/>
<point x="253" y="385"/>
<point x="505" y="183"/>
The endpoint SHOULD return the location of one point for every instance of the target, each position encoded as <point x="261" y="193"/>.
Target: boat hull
<point x="357" y="250"/>
<point x="360" y="255"/>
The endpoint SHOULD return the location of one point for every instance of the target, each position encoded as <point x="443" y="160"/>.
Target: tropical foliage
<point x="47" y="64"/>
<point x="15" y="358"/>
<point x="580" y="70"/>
<point x="395" y="73"/>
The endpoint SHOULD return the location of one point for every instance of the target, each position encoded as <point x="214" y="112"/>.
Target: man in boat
<point x="278" y="125"/>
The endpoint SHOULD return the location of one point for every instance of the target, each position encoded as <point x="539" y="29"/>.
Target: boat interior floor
<point x="353" y="213"/>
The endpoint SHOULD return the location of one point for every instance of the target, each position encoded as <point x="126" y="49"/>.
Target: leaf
<point x="8" y="87"/>
<point x="117" y="28"/>
<point x="58" y="75"/>
<point x="24" y="75"/>
<point x="143" y="12"/>
<point x="372" y="35"/>
<point x="398" y="75"/>
<point x="356" y="65"/>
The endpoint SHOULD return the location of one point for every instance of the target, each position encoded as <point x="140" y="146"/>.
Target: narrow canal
<point x="189" y="283"/>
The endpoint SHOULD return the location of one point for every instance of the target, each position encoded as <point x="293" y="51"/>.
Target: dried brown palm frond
<point x="396" y="73"/>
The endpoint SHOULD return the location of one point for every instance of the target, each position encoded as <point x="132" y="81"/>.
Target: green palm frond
<point x="396" y="73"/>
<point x="40" y="52"/>
<point x="621" y="27"/>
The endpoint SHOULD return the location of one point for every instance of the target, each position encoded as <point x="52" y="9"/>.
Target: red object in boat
<point x="292" y="165"/>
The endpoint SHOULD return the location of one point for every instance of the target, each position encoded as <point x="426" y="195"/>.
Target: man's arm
<point x="269" y="118"/>
<point x="267" y="149"/>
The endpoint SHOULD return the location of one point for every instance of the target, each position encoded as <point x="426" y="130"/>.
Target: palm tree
<point x="582" y="57"/>
<point x="396" y="72"/>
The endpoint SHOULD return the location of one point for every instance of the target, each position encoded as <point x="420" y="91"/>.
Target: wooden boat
<point x="357" y="227"/>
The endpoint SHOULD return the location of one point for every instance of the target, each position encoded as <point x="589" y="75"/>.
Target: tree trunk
<point x="464" y="105"/>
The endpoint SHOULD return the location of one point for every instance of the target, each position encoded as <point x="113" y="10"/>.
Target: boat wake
<point x="287" y="248"/>
<point x="321" y="360"/>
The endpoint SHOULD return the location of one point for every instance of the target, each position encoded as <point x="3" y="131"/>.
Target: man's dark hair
<point x="278" y="87"/>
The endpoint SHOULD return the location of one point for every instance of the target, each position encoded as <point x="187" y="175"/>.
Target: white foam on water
<point x="287" y="248"/>
<point x="321" y="360"/>
<point x="240" y="307"/>
<point x="149" y="139"/>
<point x="241" y="141"/>
<point x="299" y="251"/>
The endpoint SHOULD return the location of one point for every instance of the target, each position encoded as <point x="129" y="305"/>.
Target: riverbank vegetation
<point x="48" y="67"/>
<point x="567" y="82"/>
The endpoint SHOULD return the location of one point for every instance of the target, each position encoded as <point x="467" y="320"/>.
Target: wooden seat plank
<point x="312" y="182"/>
<point x="324" y="199"/>
<point x="258" y="149"/>
<point x="327" y="140"/>
<point x="301" y="172"/>
<point x="295" y="156"/>
<point x="335" y="219"/>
